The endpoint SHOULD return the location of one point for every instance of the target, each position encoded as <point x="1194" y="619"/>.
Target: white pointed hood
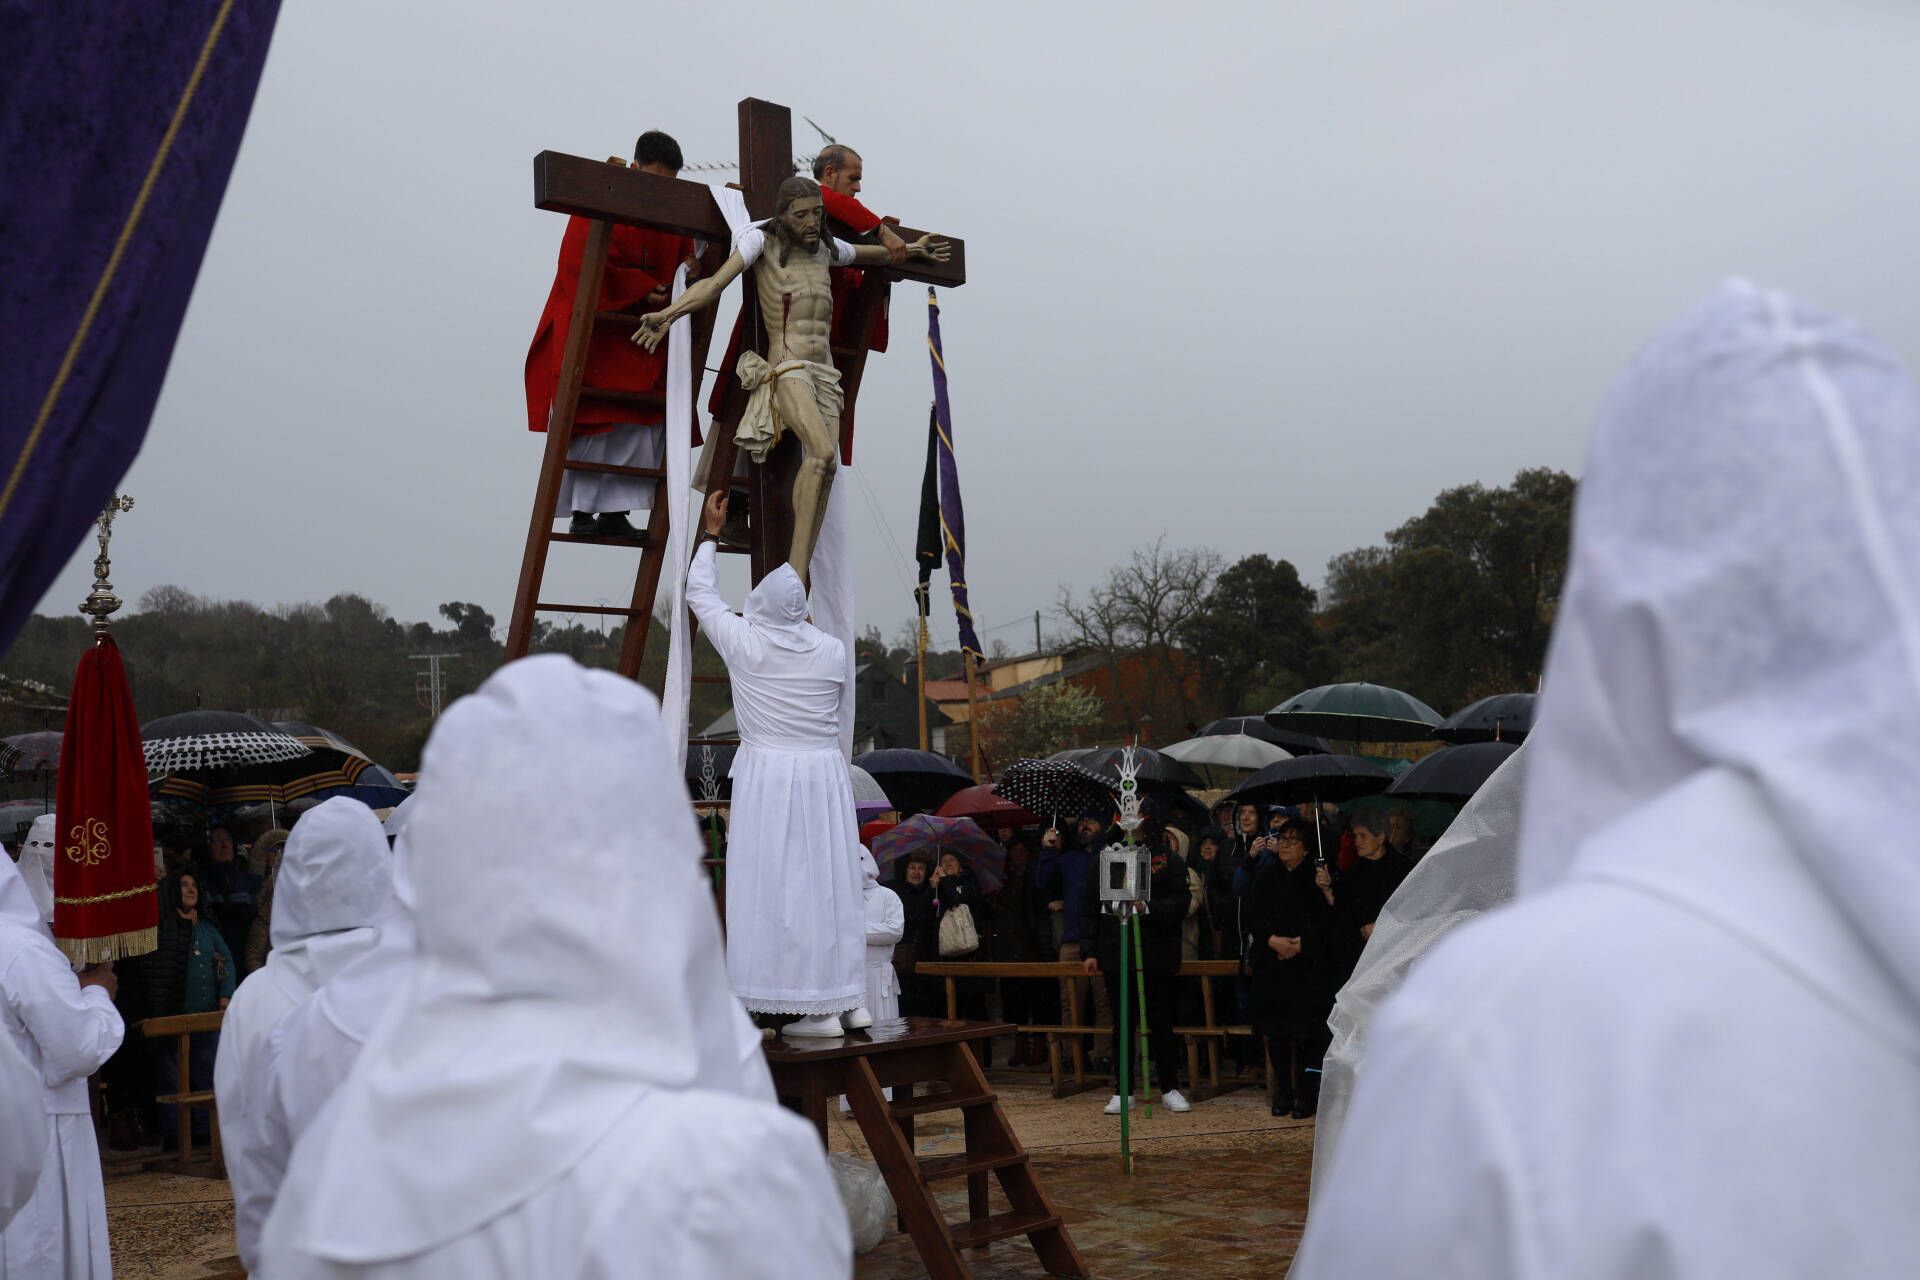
<point x="556" y="982"/>
<point x="777" y="610"/>
<point x="334" y="878"/>
<point x="1744" y="593"/>
<point x="36" y="863"/>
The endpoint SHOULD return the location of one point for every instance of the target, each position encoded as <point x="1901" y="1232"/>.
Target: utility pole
<point x="429" y="681"/>
<point x="1036" y="632"/>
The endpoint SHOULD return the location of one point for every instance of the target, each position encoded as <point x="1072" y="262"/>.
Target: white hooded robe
<point x="562" y="1084"/>
<point x="796" y="918"/>
<point x="886" y="925"/>
<point x="65" y="1032"/>
<point x="1691" y="1047"/>
<point x="333" y="882"/>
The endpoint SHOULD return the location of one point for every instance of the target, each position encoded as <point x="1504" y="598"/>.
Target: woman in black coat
<point x="1295" y="960"/>
<point x="919" y="941"/>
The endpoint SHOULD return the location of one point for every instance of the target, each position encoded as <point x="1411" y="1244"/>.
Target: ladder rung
<point x="946" y="1100"/>
<point x="713" y="742"/>
<point x="603" y="539"/>
<point x="616" y="469"/>
<point x="971" y="1235"/>
<point x="632" y="399"/>
<point x="617" y="318"/>
<point x="965" y="1165"/>
<point x="610" y="610"/>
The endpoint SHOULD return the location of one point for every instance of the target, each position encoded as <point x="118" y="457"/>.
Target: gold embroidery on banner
<point x="91" y="846"/>
<point x="97" y="898"/>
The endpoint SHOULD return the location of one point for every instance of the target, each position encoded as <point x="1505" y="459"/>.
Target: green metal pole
<point x="1126" y="1083"/>
<point x="1140" y="977"/>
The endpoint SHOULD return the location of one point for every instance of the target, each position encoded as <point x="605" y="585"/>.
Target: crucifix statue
<point x="795" y="386"/>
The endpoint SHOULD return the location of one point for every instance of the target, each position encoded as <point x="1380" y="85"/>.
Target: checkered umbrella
<point x="204" y="741"/>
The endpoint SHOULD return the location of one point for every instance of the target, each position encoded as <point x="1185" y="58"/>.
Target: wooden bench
<point x="1212" y="1034"/>
<point x="187" y="1100"/>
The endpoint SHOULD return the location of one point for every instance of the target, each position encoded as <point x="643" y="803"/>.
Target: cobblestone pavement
<point x="1218" y="1192"/>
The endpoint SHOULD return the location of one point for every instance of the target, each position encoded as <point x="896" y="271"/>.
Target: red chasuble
<point x="638" y="262"/>
<point x="104" y="904"/>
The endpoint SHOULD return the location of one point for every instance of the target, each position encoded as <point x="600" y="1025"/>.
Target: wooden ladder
<point x="992" y="1148"/>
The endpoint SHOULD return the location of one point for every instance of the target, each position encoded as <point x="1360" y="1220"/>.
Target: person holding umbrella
<point x="1065" y="872"/>
<point x="1295" y="967"/>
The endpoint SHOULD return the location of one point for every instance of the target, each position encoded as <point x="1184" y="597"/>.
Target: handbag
<point x="958" y="937"/>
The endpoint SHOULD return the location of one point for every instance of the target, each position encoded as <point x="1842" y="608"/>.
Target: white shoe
<point x="1174" y="1100"/>
<point x="858" y="1020"/>
<point x="827" y="1024"/>
<point x="1113" y="1105"/>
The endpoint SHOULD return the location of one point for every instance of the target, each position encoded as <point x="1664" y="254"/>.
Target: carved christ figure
<point x="795" y="387"/>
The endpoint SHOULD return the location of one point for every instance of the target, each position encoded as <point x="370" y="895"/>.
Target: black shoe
<point x="1302" y="1112"/>
<point x="582" y="525"/>
<point x="1280" y="1108"/>
<point x="614" y="524"/>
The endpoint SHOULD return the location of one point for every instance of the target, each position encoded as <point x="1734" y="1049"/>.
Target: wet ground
<point x="1218" y="1192"/>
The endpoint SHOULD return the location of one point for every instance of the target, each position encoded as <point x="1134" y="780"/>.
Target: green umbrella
<point x="1357" y="712"/>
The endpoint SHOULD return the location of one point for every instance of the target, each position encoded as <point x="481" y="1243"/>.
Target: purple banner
<point x="953" y="519"/>
<point x="121" y="122"/>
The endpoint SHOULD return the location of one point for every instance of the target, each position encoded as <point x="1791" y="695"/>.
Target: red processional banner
<point x="105" y="900"/>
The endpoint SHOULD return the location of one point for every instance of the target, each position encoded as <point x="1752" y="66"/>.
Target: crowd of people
<point x="1290" y="893"/>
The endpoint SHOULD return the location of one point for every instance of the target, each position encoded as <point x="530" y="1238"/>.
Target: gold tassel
<point x="114" y="946"/>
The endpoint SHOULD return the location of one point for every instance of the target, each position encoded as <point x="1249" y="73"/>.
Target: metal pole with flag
<point x="105" y="906"/>
<point x="953" y="522"/>
<point x="926" y="553"/>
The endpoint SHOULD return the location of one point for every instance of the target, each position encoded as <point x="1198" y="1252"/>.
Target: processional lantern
<point x="1126" y="868"/>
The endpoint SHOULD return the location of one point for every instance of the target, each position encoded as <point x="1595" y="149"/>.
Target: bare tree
<point x="1138" y="612"/>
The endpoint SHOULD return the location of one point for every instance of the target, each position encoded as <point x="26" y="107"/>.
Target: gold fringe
<point x="115" y="896"/>
<point x="115" y="946"/>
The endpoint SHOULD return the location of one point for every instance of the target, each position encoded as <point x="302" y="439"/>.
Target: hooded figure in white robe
<point x="1691" y="1047"/>
<point x="333" y="883"/>
<point x="886" y="925"/>
<point x="23" y="1130"/>
<point x="64" y="1031"/>
<point x="36" y="864"/>
<point x="796" y="918"/>
<point x="562" y="1084"/>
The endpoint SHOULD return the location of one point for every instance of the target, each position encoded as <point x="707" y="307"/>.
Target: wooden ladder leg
<point x="183" y="1111"/>
<point x="901" y="1168"/>
<point x="553" y="463"/>
<point x="1052" y="1245"/>
<point x="981" y="1134"/>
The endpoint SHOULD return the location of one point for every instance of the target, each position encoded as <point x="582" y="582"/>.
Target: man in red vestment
<point x="638" y="278"/>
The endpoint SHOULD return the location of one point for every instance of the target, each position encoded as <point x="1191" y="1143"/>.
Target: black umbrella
<point x="707" y="764"/>
<point x="1313" y="778"/>
<point x="1153" y="766"/>
<point x="1357" y="712"/>
<point x="1054" y="787"/>
<point x="1298" y="744"/>
<point x="1453" y="773"/>
<point x="1505" y="717"/>
<point x="209" y="741"/>
<point x="916" y="781"/>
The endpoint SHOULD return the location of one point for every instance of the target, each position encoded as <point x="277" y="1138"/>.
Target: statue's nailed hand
<point x="653" y="327"/>
<point x="930" y="250"/>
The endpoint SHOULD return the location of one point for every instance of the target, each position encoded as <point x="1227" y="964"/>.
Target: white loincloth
<point x="760" y="425"/>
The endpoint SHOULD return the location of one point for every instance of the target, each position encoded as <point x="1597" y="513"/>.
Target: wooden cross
<point x="611" y="194"/>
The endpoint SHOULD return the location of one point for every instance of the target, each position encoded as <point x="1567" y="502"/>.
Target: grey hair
<point x="1374" y="820"/>
<point x="834" y="155"/>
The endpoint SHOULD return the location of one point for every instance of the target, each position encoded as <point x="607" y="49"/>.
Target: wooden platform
<point x="809" y="1074"/>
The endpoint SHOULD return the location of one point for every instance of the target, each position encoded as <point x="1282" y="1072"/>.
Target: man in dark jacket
<point x="1364" y="889"/>
<point x="1294" y="962"/>
<point x="1168" y="899"/>
<point x="1064" y="875"/>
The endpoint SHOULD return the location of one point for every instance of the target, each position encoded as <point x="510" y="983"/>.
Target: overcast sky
<point x="1264" y="278"/>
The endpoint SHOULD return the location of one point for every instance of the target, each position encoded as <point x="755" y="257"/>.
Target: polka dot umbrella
<point x="1054" y="787"/>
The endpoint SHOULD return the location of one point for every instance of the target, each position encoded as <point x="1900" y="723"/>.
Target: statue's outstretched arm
<point x="653" y="326"/>
<point x="926" y="248"/>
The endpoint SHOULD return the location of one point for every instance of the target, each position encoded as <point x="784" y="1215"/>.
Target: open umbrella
<point x="869" y="797"/>
<point x="1226" y="753"/>
<point x="1312" y="778"/>
<point x="30" y="753"/>
<point x="209" y="741"/>
<point x="1358" y="712"/>
<point x="979" y="852"/>
<point x="1298" y="744"/>
<point x="1053" y="787"/>
<point x="988" y="809"/>
<point x="1153" y="766"/>
<point x="1453" y="773"/>
<point x="373" y="786"/>
<point x="16" y="816"/>
<point x="914" y="780"/>
<point x="1505" y="717"/>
